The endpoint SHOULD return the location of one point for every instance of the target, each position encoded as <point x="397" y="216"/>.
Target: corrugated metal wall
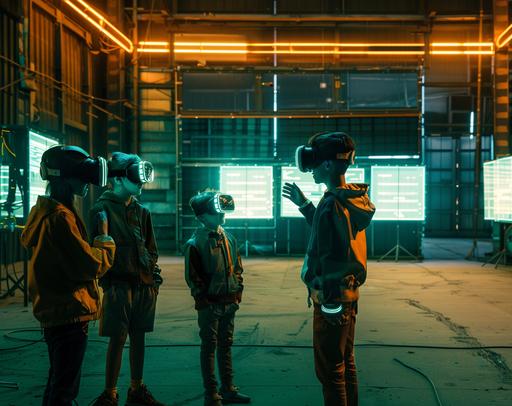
<point x="157" y="144"/>
<point x="43" y="59"/>
<point x="9" y="73"/>
<point x="73" y="75"/>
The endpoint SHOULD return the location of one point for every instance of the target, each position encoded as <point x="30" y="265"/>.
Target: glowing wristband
<point x="332" y="311"/>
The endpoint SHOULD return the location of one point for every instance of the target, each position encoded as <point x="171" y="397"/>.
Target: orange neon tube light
<point x="462" y="44"/>
<point x="161" y="43"/>
<point x="101" y="23"/>
<point x="301" y="52"/>
<point x="505" y="37"/>
<point x="437" y="48"/>
<point x="294" y="44"/>
<point x="435" y="52"/>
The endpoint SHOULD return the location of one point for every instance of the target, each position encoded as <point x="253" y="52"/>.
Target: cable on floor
<point x="30" y="341"/>
<point x="425" y="376"/>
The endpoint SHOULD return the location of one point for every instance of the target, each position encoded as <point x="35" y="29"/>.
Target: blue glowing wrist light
<point x="328" y="310"/>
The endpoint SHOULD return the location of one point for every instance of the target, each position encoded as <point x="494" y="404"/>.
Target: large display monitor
<point x="498" y="190"/>
<point x="398" y="192"/>
<point x="489" y="190"/>
<point x="4" y="189"/>
<point x="251" y="187"/>
<point x="37" y="144"/>
<point x="313" y="192"/>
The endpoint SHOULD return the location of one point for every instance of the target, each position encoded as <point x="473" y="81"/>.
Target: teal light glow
<point x="489" y="190"/>
<point x="37" y="144"/>
<point x="398" y="192"/>
<point x="4" y="189"/>
<point x="251" y="188"/>
<point x="498" y="190"/>
<point x="312" y="191"/>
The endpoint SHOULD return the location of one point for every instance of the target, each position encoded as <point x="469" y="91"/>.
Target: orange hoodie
<point x="64" y="267"/>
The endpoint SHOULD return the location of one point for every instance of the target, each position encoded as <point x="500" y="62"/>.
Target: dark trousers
<point x="334" y="358"/>
<point x="216" y="327"/>
<point x="66" y="349"/>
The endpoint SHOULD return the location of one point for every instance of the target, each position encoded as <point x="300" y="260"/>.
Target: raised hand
<point x="292" y="191"/>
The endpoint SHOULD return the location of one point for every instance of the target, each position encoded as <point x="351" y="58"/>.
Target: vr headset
<point x="219" y="203"/>
<point x="73" y="162"/>
<point x="140" y="172"/>
<point x="308" y="157"/>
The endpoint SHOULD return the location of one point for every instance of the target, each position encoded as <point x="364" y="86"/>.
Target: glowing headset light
<point x="146" y="172"/>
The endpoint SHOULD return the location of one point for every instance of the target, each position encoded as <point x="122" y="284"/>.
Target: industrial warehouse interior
<point x="316" y="194"/>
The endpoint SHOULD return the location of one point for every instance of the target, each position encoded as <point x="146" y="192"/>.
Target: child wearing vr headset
<point x="335" y="263"/>
<point x="64" y="267"/>
<point x="130" y="290"/>
<point x="213" y="271"/>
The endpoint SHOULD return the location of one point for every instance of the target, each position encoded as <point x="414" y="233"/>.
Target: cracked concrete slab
<point x="449" y="303"/>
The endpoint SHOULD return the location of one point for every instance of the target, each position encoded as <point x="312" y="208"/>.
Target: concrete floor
<point x="435" y="303"/>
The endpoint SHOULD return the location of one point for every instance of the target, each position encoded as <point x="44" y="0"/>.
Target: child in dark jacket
<point x="335" y="263"/>
<point x="130" y="291"/>
<point x="213" y="271"/>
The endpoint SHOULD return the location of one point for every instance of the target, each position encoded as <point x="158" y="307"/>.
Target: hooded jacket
<point x="64" y="267"/>
<point x="335" y="264"/>
<point x="213" y="267"/>
<point x="132" y="229"/>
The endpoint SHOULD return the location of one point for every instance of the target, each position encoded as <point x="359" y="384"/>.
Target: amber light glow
<point x="462" y="48"/>
<point x="101" y="23"/>
<point x="322" y="48"/>
<point x="505" y="37"/>
<point x="155" y="47"/>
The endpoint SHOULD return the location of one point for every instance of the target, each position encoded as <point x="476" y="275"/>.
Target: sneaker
<point x="212" y="399"/>
<point x="106" y="400"/>
<point x="141" y="397"/>
<point x="232" y="395"/>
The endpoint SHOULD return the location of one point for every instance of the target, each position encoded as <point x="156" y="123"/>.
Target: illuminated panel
<point x="37" y="144"/>
<point x="489" y="189"/>
<point x="354" y="175"/>
<point x="398" y="192"/>
<point x="503" y="190"/>
<point x="251" y="188"/>
<point x="4" y="189"/>
<point x="313" y="192"/>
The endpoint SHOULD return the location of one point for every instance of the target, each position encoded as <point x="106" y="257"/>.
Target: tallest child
<point x="335" y="264"/>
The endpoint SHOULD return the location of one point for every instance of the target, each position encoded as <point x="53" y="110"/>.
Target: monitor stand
<point x="396" y="249"/>
<point x="501" y="255"/>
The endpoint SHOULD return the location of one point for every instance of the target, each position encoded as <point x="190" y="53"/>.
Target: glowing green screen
<point x="251" y="187"/>
<point x="398" y="192"/>
<point x="498" y="190"/>
<point x="37" y="144"/>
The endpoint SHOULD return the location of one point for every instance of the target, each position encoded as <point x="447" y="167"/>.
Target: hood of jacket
<point x="111" y="196"/>
<point x="44" y="207"/>
<point x="354" y="196"/>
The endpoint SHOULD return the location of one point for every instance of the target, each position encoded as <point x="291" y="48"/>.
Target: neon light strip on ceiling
<point x="461" y="48"/>
<point x="505" y="37"/>
<point x="101" y="23"/>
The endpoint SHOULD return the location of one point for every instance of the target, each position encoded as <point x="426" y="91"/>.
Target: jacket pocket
<point x="84" y="302"/>
<point x="233" y="283"/>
